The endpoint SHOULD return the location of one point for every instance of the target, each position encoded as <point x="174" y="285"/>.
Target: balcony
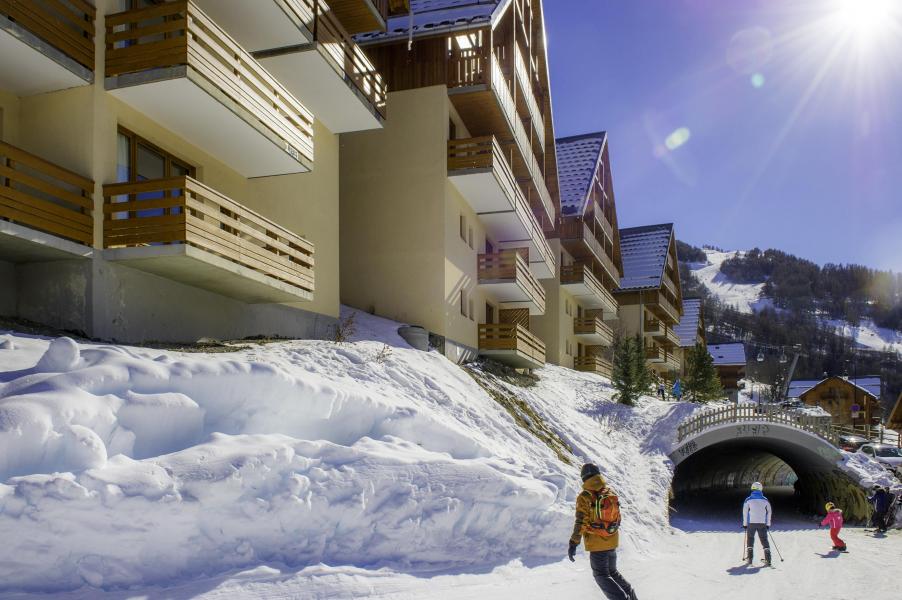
<point x="511" y="344"/>
<point x="45" y="210"/>
<point x="481" y="93"/>
<point x="593" y="330"/>
<point x="178" y="67"/>
<point x="527" y="97"/>
<point x="46" y="45"/>
<point x="655" y="354"/>
<point x="506" y="278"/>
<point x="360" y="16"/>
<point x="304" y="46"/>
<point x="479" y="171"/>
<point x="593" y="364"/>
<point x="180" y="229"/>
<point x="673" y="361"/>
<point x="654" y="327"/>
<point x="579" y="281"/>
<point x="663" y="308"/>
<point x="581" y="243"/>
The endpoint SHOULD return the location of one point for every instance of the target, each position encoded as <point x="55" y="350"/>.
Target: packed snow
<point x="312" y="469"/>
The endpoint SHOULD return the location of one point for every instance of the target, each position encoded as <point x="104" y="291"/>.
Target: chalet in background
<point x="849" y="401"/>
<point x="730" y="361"/>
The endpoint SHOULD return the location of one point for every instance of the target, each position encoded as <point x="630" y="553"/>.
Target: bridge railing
<point x="741" y="413"/>
<point x="875" y="433"/>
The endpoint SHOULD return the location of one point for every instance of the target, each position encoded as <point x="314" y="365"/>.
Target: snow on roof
<point x="687" y="329"/>
<point x="577" y="158"/>
<point x="870" y="385"/>
<point x="728" y="355"/>
<point x="433" y="16"/>
<point x="644" y="252"/>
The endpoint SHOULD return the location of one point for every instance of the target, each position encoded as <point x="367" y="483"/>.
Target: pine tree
<point x="644" y="379"/>
<point x="701" y="383"/>
<point x="623" y="375"/>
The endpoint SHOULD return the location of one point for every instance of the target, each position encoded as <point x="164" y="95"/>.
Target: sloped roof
<point x="434" y="16"/>
<point x="577" y="159"/>
<point x="644" y="252"/>
<point x="869" y="385"/>
<point x="728" y="355"/>
<point x="687" y="329"/>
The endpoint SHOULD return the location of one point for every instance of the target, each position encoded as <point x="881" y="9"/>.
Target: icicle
<point x="410" y="29"/>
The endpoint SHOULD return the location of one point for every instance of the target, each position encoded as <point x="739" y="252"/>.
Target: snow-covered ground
<point x="747" y="298"/>
<point x="309" y="469"/>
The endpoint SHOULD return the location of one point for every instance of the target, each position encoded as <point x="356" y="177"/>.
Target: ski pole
<point x="775" y="545"/>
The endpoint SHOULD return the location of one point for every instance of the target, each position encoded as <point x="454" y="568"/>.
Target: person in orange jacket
<point x="598" y="526"/>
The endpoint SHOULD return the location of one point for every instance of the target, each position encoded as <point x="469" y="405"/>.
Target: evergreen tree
<point x="623" y="375"/>
<point x="701" y="383"/>
<point x="644" y="379"/>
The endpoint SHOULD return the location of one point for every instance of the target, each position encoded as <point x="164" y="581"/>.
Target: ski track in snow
<point x="746" y="298"/>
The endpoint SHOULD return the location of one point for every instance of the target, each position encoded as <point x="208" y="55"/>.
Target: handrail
<point x="67" y="25"/>
<point x="526" y="87"/>
<point x="183" y="210"/>
<point x="592" y="362"/>
<point x="655" y="353"/>
<point x="575" y="228"/>
<point x="592" y="326"/>
<point x="580" y="273"/>
<point x="511" y="264"/>
<point x="179" y="33"/>
<point x="41" y="195"/>
<point x="511" y="336"/>
<point x="740" y="413"/>
<point x="875" y="433"/>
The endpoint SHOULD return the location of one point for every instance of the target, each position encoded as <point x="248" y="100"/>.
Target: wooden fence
<point x="742" y="413"/>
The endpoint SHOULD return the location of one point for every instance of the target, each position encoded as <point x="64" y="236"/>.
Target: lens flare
<point x="757" y="80"/>
<point x="864" y="19"/>
<point x="677" y="138"/>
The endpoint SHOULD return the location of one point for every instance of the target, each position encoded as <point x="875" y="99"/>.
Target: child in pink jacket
<point x="834" y="520"/>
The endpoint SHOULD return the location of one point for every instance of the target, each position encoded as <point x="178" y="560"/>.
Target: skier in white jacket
<point x="756" y="518"/>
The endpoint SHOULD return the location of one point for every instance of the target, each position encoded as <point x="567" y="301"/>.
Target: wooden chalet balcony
<point x="655" y="354"/>
<point x="507" y="279"/>
<point x="481" y="93"/>
<point x="360" y="16"/>
<point x="672" y="361"/>
<point x="511" y="344"/>
<point x="664" y="309"/>
<point x="671" y="338"/>
<point x="593" y="364"/>
<point x="177" y="66"/>
<point x="602" y="220"/>
<point x="303" y="44"/>
<point x="654" y="327"/>
<point x="180" y="229"/>
<point x="528" y="97"/>
<point x="45" y="210"/>
<point x="479" y="170"/>
<point x="669" y="285"/>
<point x="579" y="281"/>
<point x="581" y="243"/>
<point x="593" y="330"/>
<point x="46" y="45"/>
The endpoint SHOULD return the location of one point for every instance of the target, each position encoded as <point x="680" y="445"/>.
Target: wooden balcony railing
<point x="602" y="220"/>
<point x="529" y="96"/>
<point x="672" y="337"/>
<point x="43" y="196"/>
<point x="183" y="210"/>
<point x="593" y="326"/>
<point x="673" y="361"/>
<point x="179" y="33"/>
<point x="669" y="285"/>
<point x="574" y="229"/>
<point x="506" y="336"/>
<point x="665" y="308"/>
<point x="654" y="353"/>
<point x="486" y="153"/>
<point x="67" y="25"/>
<point x="510" y="265"/>
<point x="579" y="273"/>
<point x="592" y="363"/>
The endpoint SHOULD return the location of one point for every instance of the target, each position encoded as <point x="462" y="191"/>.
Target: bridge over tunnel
<point x="715" y="464"/>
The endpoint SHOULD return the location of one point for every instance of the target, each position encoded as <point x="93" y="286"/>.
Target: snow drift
<point x="124" y="466"/>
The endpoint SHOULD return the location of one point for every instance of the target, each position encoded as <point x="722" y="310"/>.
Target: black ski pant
<point x="761" y="530"/>
<point x="880" y="521"/>
<point x="611" y="582"/>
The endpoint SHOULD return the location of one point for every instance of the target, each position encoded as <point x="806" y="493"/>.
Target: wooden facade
<point x="839" y="396"/>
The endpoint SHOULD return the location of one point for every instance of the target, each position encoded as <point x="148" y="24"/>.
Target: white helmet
<point x="757" y="487"/>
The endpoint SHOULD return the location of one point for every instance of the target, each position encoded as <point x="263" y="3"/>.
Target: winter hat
<point x="830" y="506"/>
<point x="589" y="470"/>
<point x="757" y="487"/>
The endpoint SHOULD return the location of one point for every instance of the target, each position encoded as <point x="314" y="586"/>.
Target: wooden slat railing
<point x="67" y="25"/>
<point x="875" y="433"/>
<point x="41" y="195"/>
<point x="574" y="228"/>
<point x="593" y="326"/>
<point x="654" y="327"/>
<point x="766" y="413"/>
<point x="505" y="336"/>
<point x="593" y="364"/>
<point x="529" y="96"/>
<point x="654" y="353"/>
<point x="512" y="265"/>
<point x="580" y="273"/>
<point x="672" y="360"/>
<point x="664" y="308"/>
<point x="179" y="33"/>
<point x="602" y="220"/>
<point x="183" y="210"/>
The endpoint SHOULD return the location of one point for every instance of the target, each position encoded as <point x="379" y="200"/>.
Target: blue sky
<point x="793" y="119"/>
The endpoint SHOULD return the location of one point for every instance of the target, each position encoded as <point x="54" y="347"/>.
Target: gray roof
<point x="577" y="158"/>
<point x="871" y="385"/>
<point x="726" y="355"/>
<point x="687" y="328"/>
<point x="434" y="16"/>
<point x="644" y="252"/>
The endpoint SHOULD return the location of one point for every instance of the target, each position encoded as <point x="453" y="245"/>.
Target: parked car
<point x="851" y="443"/>
<point x="889" y="456"/>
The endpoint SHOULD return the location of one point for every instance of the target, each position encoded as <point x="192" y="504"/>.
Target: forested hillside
<point x="803" y="296"/>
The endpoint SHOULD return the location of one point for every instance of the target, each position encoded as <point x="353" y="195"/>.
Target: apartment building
<point x="580" y="308"/>
<point x="650" y="296"/>
<point x="445" y="210"/>
<point x="170" y="170"/>
<point x="690" y="329"/>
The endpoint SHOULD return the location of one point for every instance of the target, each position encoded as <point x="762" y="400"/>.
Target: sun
<point x="864" y="19"/>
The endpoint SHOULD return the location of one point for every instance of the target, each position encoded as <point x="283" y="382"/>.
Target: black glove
<point x="571" y="552"/>
<point x="745" y="526"/>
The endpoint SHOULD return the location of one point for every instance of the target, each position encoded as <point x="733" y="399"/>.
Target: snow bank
<point x="124" y="467"/>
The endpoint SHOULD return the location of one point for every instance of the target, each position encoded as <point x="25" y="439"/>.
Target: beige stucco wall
<point x="392" y="211"/>
<point x="630" y="319"/>
<point x="9" y="117"/>
<point x="461" y="270"/>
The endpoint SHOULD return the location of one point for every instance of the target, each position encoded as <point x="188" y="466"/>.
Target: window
<point x="489" y="313"/>
<point x="139" y="160"/>
<point x="489" y="248"/>
<point x="472" y="311"/>
<point x="452" y="130"/>
<point x="463" y="228"/>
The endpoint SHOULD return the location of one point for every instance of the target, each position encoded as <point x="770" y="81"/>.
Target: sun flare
<point x="865" y="19"/>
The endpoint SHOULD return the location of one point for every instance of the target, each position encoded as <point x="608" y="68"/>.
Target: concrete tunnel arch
<point x="733" y="455"/>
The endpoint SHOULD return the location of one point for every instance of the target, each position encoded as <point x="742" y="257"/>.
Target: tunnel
<point x="715" y="469"/>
